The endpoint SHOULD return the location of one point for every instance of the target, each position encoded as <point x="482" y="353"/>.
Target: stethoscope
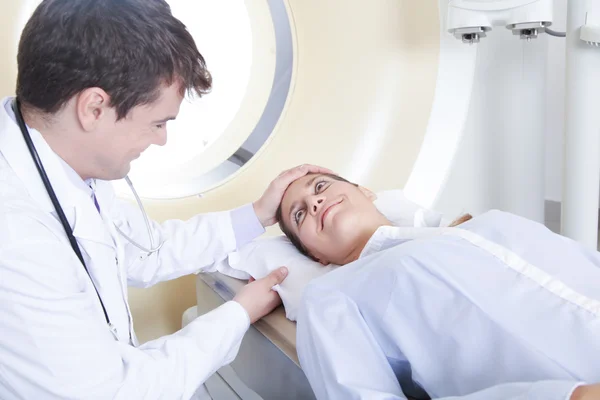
<point x="63" y="219"/>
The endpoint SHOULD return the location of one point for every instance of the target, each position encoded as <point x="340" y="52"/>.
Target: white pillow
<point x="263" y="255"/>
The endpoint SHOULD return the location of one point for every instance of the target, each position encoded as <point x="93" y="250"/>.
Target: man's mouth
<point x="326" y="211"/>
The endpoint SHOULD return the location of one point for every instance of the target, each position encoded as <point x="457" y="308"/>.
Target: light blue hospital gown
<point x="500" y="308"/>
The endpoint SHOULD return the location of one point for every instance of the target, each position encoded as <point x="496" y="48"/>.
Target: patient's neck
<point x="363" y="238"/>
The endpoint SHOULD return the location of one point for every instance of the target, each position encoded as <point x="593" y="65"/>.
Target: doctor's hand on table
<point x="258" y="298"/>
<point x="266" y="207"/>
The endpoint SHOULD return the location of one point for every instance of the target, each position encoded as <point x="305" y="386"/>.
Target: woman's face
<point x="330" y="217"/>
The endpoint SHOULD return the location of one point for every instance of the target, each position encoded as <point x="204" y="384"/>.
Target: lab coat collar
<point x="72" y="192"/>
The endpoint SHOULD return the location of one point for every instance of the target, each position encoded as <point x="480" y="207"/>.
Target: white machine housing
<point x="469" y="20"/>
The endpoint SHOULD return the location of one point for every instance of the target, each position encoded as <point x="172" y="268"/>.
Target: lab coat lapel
<point x="89" y="225"/>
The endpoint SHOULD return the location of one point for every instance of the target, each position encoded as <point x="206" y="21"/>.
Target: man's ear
<point x="91" y="106"/>
<point x="370" y="195"/>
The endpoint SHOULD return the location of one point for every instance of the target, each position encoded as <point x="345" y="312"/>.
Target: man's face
<point x="327" y="215"/>
<point x="117" y="143"/>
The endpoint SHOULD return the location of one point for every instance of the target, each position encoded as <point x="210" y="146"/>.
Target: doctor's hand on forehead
<point x="266" y="207"/>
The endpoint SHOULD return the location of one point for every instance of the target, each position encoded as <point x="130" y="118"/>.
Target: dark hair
<point x="290" y="234"/>
<point x="128" y="48"/>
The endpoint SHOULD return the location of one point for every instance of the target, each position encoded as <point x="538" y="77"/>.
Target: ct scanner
<point x="378" y="91"/>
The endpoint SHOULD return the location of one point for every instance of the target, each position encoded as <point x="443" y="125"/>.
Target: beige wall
<point x="157" y="310"/>
<point x="362" y="88"/>
<point x="9" y="35"/>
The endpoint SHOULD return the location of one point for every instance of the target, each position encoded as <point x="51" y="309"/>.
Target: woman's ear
<point x="319" y="260"/>
<point x="370" y="195"/>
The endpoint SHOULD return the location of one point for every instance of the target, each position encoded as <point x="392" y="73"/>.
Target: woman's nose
<point x="317" y="202"/>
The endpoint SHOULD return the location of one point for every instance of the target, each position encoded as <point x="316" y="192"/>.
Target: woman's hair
<point x="462" y="219"/>
<point x="291" y="235"/>
<point x="300" y="246"/>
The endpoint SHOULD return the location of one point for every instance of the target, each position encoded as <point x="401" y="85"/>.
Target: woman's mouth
<point x="326" y="211"/>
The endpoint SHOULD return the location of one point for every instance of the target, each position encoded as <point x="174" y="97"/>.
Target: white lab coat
<point x="501" y="309"/>
<point x="54" y="341"/>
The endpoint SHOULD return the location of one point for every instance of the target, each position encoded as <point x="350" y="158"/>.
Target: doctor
<point x="97" y="82"/>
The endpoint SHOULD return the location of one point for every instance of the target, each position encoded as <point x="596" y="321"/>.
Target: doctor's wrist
<point x="263" y="216"/>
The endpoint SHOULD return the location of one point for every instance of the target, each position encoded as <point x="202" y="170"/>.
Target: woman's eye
<point x="160" y="126"/>
<point x="298" y="215"/>
<point x="319" y="186"/>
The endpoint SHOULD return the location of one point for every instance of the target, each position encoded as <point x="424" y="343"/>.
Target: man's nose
<point x="317" y="202"/>
<point x="161" y="138"/>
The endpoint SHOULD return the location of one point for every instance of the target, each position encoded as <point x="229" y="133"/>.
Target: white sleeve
<point x="192" y="246"/>
<point x="338" y="352"/>
<point x="542" y="390"/>
<point x="55" y="343"/>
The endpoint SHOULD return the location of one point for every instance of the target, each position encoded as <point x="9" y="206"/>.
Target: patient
<point x="330" y="219"/>
<point x="498" y="308"/>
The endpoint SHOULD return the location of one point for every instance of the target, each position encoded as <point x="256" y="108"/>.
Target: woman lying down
<point x="497" y="308"/>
